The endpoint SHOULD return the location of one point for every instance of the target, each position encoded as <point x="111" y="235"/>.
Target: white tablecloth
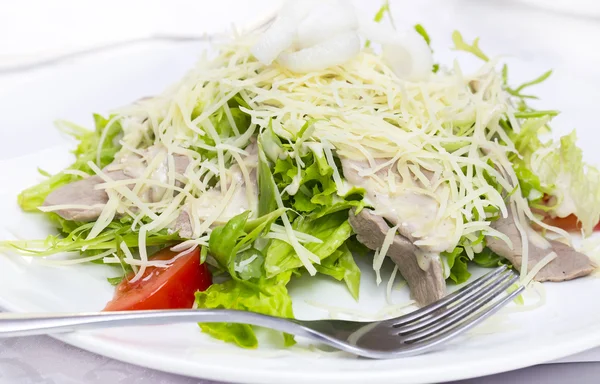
<point x="29" y="360"/>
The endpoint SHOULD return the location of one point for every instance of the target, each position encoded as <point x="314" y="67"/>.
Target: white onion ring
<point x="406" y="53"/>
<point x="334" y="51"/>
<point x="281" y="34"/>
<point x="326" y="20"/>
<point x="410" y="58"/>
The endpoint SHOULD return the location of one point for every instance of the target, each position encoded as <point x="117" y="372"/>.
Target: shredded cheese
<point x="382" y="252"/>
<point x="390" y="285"/>
<point x="80" y="260"/>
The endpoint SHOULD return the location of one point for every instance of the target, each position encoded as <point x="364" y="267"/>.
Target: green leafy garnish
<point x="461" y="45"/>
<point x="114" y="281"/>
<point x="227" y="241"/>
<point x="533" y="114"/>
<point x="89" y="142"/>
<point x="76" y="239"/>
<point x="385" y="9"/>
<point x="333" y="230"/>
<point x="517" y="91"/>
<point x="575" y="184"/>
<point x="457" y="261"/>
<point x="270" y="297"/>
<point x="341" y="266"/>
<point x="421" y="31"/>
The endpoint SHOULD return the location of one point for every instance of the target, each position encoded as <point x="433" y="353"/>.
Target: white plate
<point x="568" y="323"/>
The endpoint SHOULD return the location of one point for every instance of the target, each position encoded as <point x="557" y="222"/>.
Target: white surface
<point x="45" y="360"/>
<point x="64" y="27"/>
<point x="567" y="324"/>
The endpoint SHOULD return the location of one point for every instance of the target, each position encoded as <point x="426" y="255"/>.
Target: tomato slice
<point x="163" y="288"/>
<point x="568" y="223"/>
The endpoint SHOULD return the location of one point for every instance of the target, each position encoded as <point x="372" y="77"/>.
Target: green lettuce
<point x="383" y="10"/>
<point x="457" y="261"/>
<point x="341" y="266"/>
<point x="421" y="31"/>
<point x="517" y="90"/>
<point x="270" y="297"/>
<point x="87" y="150"/>
<point x="73" y="237"/>
<point x="333" y="230"/>
<point x="488" y="259"/>
<point x="226" y="242"/>
<point x="575" y="184"/>
<point x="461" y="45"/>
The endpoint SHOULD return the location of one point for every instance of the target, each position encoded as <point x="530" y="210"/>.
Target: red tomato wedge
<point x="163" y="288"/>
<point x="568" y="223"/>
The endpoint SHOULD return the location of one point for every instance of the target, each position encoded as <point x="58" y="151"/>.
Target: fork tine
<point x="421" y="347"/>
<point x="464" y="313"/>
<point x="457" y="305"/>
<point x="464" y="292"/>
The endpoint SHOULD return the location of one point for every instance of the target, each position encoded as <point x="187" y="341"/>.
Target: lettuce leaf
<point x="527" y="142"/>
<point x="317" y="195"/>
<point x="266" y="185"/>
<point x="332" y="229"/>
<point x="31" y="198"/>
<point x="488" y="259"/>
<point x="227" y="241"/>
<point x="341" y="266"/>
<point x="461" y="45"/>
<point x="553" y="169"/>
<point x="575" y="184"/>
<point x="271" y="298"/>
<point x="457" y="261"/>
<point x="383" y="10"/>
<point x="421" y="31"/>
<point x="517" y="91"/>
<point x="74" y="238"/>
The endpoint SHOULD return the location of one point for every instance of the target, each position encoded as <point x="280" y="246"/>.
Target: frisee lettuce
<point x="73" y="238"/>
<point x="384" y="10"/>
<point x="517" y="91"/>
<point x="575" y="184"/>
<point x="87" y="150"/>
<point x="461" y="45"/>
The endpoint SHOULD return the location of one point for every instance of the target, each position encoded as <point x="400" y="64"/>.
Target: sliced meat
<point x="426" y="286"/>
<point x="569" y="264"/>
<point x="415" y="212"/>
<point x="183" y="225"/>
<point x="206" y="204"/>
<point x="84" y="193"/>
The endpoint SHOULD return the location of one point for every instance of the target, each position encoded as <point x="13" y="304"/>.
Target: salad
<point x="295" y="150"/>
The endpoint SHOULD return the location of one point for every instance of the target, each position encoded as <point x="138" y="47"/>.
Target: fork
<point x="415" y="333"/>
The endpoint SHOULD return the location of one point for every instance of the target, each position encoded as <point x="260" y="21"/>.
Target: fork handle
<point x="12" y="325"/>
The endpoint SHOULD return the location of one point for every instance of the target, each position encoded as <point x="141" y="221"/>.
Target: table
<point x="41" y="359"/>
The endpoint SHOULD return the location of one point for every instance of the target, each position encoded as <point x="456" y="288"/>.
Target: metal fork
<point x="407" y="335"/>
